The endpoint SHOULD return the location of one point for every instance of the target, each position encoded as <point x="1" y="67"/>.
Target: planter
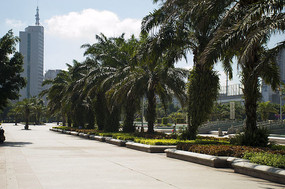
<point x="148" y="148"/>
<point x="100" y="138"/>
<point x="116" y="142"/>
<point x="92" y="137"/>
<point x="86" y="135"/>
<point x="209" y="160"/>
<point x="239" y="165"/>
<point x="74" y="133"/>
<point x="261" y="171"/>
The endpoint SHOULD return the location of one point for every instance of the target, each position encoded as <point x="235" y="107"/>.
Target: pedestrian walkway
<point x="41" y="159"/>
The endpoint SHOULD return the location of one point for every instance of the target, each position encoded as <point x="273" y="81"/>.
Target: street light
<point x="280" y="93"/>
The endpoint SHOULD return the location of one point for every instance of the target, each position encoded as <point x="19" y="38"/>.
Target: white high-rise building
<point x="32" y="48"/>
<point x="49" y="75"/>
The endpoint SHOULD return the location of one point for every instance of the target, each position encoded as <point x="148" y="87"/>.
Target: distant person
<point x="174" y="128"/>
<point x="2" y="137"/>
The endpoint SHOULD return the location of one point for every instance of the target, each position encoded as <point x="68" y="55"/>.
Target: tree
<point x="11" y="63"/>
<point x="264" y="109"/>
<point x="38" y="109"/>
<point x="122" y="74"/>
<point x="105" y="62"/>
<point x="26" y="106"/>
<point x="55" y="94"/>
<point x="15" y="112"/>
<point x="153" y="78"/>
<point x="246" y="29"/>
<point x="189" y="26"/>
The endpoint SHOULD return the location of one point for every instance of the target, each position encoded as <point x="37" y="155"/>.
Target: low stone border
<point x="116" y="142"/>
<point x="83" y="135"/>
<point x="74" y="133"/>
<point x="213" y="161"/>
<point x="277" y="140"/>
<point x="239" y="165"/>
<point x="92" y="137"/>
<point x="148" y="148"/>
<point x="261" y="171"/>
<point x="100" y="138"/>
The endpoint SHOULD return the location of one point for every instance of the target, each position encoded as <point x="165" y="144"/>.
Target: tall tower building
<point x="32" y="48"/>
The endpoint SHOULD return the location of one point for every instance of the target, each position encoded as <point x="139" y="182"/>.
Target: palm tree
<point x="15" y="112"/>
<point x="151" y="77"/>
<point x="102" y="62"/>
<point x="246" y="30"/>
<point x="120" y="77"/>
<point x="158" y="81"/>
<point x="264" y="109"/>
<point x="55" y="94"/>
<point x="26" y="106"/>
<point x="189" y="26"/>
<point x="38" y="109"/>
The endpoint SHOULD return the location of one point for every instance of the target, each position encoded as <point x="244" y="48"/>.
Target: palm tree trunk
<point x="151" y="113"/>
<point x="27" y="115"/>
<point x="91" y="119"/>
<point x="251" y="95"/>
<point x="202" y="92"/>
<point x="130" y="115"/>
<point x="100" y="110"/>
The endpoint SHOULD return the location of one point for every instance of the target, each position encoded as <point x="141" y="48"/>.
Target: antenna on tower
<point x="37" y="15"/>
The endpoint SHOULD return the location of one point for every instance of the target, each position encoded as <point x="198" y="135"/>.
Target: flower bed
<point x="271" y="156"/>
<point x="265" y="158"/>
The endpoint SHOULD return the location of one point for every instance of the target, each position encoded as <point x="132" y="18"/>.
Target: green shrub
<point x="155" y="135"/>
<point x="158" y="120"/>
<point x="106" y="134"/>
<point x="86" y="131"/>
<point x="180" y="121"/>
<point x="156" y="141"/>
<point x="263" y="158"/>
<point x="62" y="127"/>
<point x="164" y="120"/>
<point x="220" y="150"/>
<point x="259" y="138"/>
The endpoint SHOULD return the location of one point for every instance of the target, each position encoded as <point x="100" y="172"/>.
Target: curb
<point x="117" y="142"/>
<point x="209" y="160"/>
<point x="260" y="171"/>
<point x="239" y="165"/>
<point x="148" y="148"/>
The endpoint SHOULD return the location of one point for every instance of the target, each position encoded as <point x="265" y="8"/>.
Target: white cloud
<point x="14" y="23"/>
<point x="87" y="23"/>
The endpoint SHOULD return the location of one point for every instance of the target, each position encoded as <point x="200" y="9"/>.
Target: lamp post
<point x="280" y="93"/>
<point x="142" y="114"/>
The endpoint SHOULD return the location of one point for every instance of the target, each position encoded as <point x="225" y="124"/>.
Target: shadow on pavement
<point x="15" y="144"/>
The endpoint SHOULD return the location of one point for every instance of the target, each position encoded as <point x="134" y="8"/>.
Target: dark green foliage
<point x="164" y="121"/>
<point x="211" y="148"/>
<point x="156" y="141"/>
<point x="26" y="106"/>
<point x="100" y="110"/>
<point x="86" y="131"/>
<point x="275" y="160"/>
<point x="203" y="88"/>
<point x="258" y="138"/>
<point x="245" y="33"/>
<point x="10" y="69"/>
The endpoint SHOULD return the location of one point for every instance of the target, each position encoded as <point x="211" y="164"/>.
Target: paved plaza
<point x="41" y="159"/>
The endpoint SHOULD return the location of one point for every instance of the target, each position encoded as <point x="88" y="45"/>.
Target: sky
<point x="71" y="23"/>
